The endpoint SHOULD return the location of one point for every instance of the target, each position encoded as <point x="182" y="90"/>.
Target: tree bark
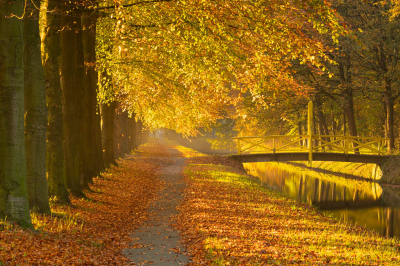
<point x="299" y="128"/>
<point x="133" y="132"/>
<point x="55" y="131"/>
<point x="389" y="114"/>
<point x="384" y="120"/>
<point x="116" y="134"/>
<point x="14" y="204"/>
<point x="334" y="124"/>
<point x="124" y="134"/>
<point x="351" y="121"/>
<point x="107" y="131"/>
<point x="98" y="150"/>
<point x="35" y="111"/>
<point x="347" y="93"/>
<point x="89" y="156"/>
<point x="323" y="127"/>
<point x="72" y="96"/>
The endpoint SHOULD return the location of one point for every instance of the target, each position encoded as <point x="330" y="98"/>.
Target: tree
<point x="14" y="204"/>
<point x="92" y="150"/>
<point x="55" y="131"/>
<point x="107" y="128"/>
<point x="35" y="111"/>
<point x="71" y="69"/>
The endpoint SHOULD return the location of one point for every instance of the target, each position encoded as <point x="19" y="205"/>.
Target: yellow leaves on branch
<point x="184" y="46"/>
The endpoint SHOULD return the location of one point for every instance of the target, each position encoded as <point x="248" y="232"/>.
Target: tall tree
<point x="107" y="130"/>
<point x="14" y="204"/>
<point x="72" y="88"/>
<point x="91" y="165"/>
<point x="35" y="111"/>
<point x="55" y="131"/>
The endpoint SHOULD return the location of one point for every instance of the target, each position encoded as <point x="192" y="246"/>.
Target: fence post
<point x="310" y="122"/>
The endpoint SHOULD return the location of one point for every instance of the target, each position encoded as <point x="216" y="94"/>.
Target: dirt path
<point x="157" y="242"/>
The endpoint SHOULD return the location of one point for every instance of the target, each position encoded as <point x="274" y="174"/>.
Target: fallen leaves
<point x="93" y="230"/>
<point x="228" y="218"/>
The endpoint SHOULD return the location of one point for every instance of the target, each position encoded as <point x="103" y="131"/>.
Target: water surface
<point x="360" y="202"/>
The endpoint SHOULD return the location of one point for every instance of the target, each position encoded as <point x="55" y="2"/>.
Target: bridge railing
<point x="311" y="144"/>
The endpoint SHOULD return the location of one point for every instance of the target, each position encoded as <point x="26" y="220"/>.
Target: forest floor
<point x="212" y="214"/>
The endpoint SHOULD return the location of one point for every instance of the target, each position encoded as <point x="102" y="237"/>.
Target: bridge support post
<point x="310" y="122"/>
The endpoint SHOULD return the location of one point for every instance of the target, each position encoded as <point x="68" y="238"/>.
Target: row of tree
<point x="53" y="140"/>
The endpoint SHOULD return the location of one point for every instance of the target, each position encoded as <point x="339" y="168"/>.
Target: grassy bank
<point x="227" y="218"/>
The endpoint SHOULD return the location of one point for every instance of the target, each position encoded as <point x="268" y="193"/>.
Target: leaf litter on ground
<point x="226" y="218"/>
<point x="229" y="218"/>
<point x="95" y="229"/>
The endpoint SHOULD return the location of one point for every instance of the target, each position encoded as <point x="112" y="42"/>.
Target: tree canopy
<point x="177" y="64"/>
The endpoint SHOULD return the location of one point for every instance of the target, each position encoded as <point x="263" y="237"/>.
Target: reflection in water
<point x="362" y="203"/>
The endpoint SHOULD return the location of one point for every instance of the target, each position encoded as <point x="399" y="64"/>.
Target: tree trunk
<point x="344" y="123"/>
<point x="14" y="204"/>
<point x="349" y="110"/>
<point x="35" y="112"/>
<point x="98" y="150"/>
<point x="55" y="131"/>
<point x="384" y="120"/>
<point x="314" y="130"/>
<point x="300" y="132"/>
<point x="351" y="121"/>
<point x="389" y="114"/>
<point x="333" y="122"/>
<point x="347" y="94"/>
<point x="107" y="131"/>
<point x="321" y="118"/>
<point x="72" y="97"/>
<point x="90" y="157"/>
<point x="129" y="127"/>
<point x="124" y="134"/>
<point x="116" y="134"/>
<point x="133" y="133"/>
<point x="323" y="128"/>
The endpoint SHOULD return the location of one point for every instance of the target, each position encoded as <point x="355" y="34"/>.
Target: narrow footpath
<point x="156" y="241"/>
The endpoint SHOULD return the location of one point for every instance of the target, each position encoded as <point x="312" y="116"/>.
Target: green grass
<point x="243" y="223"/>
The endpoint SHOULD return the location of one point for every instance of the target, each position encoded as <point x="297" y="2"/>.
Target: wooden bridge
<point x="311" y="148"/>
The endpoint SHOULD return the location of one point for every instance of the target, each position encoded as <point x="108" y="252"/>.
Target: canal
<point x="352" y="201"/>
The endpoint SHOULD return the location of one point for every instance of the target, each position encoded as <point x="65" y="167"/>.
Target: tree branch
<point x="132" y="4"/>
